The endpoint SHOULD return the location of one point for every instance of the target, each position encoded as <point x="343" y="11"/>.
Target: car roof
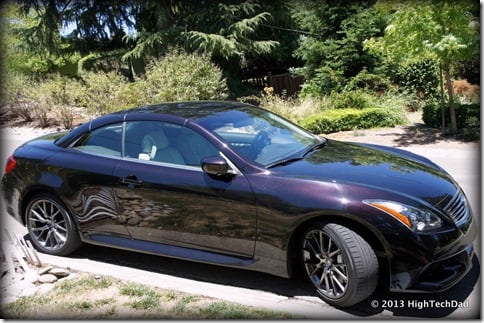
<point x="185" y="110"/>
<point x="179" y="112"/>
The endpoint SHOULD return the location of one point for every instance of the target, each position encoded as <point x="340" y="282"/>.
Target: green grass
<point x="86" y="297"/>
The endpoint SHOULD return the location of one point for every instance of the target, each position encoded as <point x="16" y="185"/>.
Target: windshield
<point x="259" y="135"/>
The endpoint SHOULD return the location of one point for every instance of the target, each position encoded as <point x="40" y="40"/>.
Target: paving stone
<point x="47" y="278"/>
<point x="59" y="272"/>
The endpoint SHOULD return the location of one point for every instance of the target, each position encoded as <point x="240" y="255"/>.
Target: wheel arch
<point x="66" y="226"/>
<point x="376" y="241"/>
<point x="33" y="191"/>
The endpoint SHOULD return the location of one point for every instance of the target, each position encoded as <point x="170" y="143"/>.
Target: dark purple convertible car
<point x="231" y="184"/>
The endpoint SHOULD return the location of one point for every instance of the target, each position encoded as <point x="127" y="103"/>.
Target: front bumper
<point x="435" y="274"/>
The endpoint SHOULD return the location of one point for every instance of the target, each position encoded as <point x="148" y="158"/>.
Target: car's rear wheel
<point x="339" y="263"/>
<point x="50" y="226"/>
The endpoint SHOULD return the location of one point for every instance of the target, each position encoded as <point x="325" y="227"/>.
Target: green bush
<point x="56" y="96"/>
<point x="419" y="77"/>
<point x="432" y="115"/>
<point x="325" y="80"/>
<point x="353" y="99"/>
<point x="371" y="82"/>
<point x="351" y="119"/>
<point x="104" y="92"/>
<point x="180" y="76"/>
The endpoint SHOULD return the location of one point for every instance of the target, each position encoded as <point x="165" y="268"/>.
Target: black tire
<point x="50" y="226"/>
<point x="340" y="264"/>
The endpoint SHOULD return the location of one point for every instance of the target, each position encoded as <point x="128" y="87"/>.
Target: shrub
<point x="354" y="99"/>
<point x="104" y="92"/>
<point x="350" y="119"/>
<point x="371" y="82"/>
<point x="16" y="96"/>
<point x="56" y="96"/>
<point x="180" y="76"/>
<point x="472" y="130"/>
<point x="325" y="80"/>
<point x="291" y="108"/>
<point x="420" y="77"/>
<point x="432" y="115"/>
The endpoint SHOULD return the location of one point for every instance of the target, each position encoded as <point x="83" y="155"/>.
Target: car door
<point x="167" y="198"/>
<point x="88" y="185"/>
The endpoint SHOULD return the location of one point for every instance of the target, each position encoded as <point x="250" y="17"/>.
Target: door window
<point x="103" y="141"/>
<point x="166" y="143"/>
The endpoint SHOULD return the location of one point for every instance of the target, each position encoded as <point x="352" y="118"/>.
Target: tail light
<point x="11" y="162"/>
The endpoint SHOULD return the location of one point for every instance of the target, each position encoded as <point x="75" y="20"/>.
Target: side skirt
<point x="169" y="250"/>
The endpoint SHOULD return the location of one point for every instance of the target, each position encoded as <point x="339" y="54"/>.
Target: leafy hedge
<point x="468" y="118"/>
<point x="432" y="115"/>
<point x="350" y="119"/>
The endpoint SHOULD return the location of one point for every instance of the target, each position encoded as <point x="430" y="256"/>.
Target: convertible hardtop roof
<point x="187" y="109"/>
<point x="173" y="111"/>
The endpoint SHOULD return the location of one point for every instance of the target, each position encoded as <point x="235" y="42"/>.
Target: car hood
<point x="383" y="168"/>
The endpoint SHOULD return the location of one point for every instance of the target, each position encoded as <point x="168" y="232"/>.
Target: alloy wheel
<point x="47" y="224"/>
<point x="325" y="264"/>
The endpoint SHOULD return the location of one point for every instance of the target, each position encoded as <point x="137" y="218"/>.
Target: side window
<point x="166" y="142"/>
<point x="104" y="141"/>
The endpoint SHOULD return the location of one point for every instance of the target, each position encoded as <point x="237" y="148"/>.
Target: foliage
<point x="351" y="119"/>
<point x="437" y="30"/>
<point x="432" y="115"/>
<point x="14" y="88"/>
<point x="289" y="107"/>
<point x="15" y="57"/>
<point x="466" y="92"/>
<point x="333" y="50"/>
<point x="365" y="80"/>
<point x="354" y="99"/>
<point x="323" y="83"/>
<point x="420" y="77"/>
<point x="230" y="31"/>
<point x="430" y="29"/>
<point x="348" y="57"/>
<point x="59" y="95"/>
<point x="472" y="129"/>
<point x="94" y="25"/>
<point x="103" y="92"/>
<point x="179" y="77"/>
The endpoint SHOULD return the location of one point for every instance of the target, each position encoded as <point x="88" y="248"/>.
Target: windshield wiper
<point x="283" y="162"/>
<point x="314" y="147"/>
<point x="286" y="161"/>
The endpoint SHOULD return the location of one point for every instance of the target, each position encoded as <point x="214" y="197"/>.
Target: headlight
<point x="414" y="218"/>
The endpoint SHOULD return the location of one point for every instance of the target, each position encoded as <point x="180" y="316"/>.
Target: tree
<point x="439" y="30"/>
<point x="332" y="50"/>
<point x="122" y="34"/>
<point x="226" y="31"/>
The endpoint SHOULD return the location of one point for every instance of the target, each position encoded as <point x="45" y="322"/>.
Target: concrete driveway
<point x="461" y="160"/>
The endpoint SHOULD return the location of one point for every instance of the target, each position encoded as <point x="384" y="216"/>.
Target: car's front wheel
<point x="340" y="264"/>
<point x="50" y="226"/>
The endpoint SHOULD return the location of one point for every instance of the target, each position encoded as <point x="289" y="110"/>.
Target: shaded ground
<point x="415" y="134"/>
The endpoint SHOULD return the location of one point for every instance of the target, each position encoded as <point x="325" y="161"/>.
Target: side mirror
<point x="216" y="166"/>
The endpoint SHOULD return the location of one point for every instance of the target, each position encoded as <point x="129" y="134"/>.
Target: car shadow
<point x="412" y="305"/>
<point x="425" y="305"/>
<point x="195" y="270"/>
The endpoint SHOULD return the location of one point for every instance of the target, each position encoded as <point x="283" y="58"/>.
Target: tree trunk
<point x="442" y="98"/>
<point x="450" y="92"/>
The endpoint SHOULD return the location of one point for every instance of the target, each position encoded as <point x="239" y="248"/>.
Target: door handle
<point x="131" y="180"/>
